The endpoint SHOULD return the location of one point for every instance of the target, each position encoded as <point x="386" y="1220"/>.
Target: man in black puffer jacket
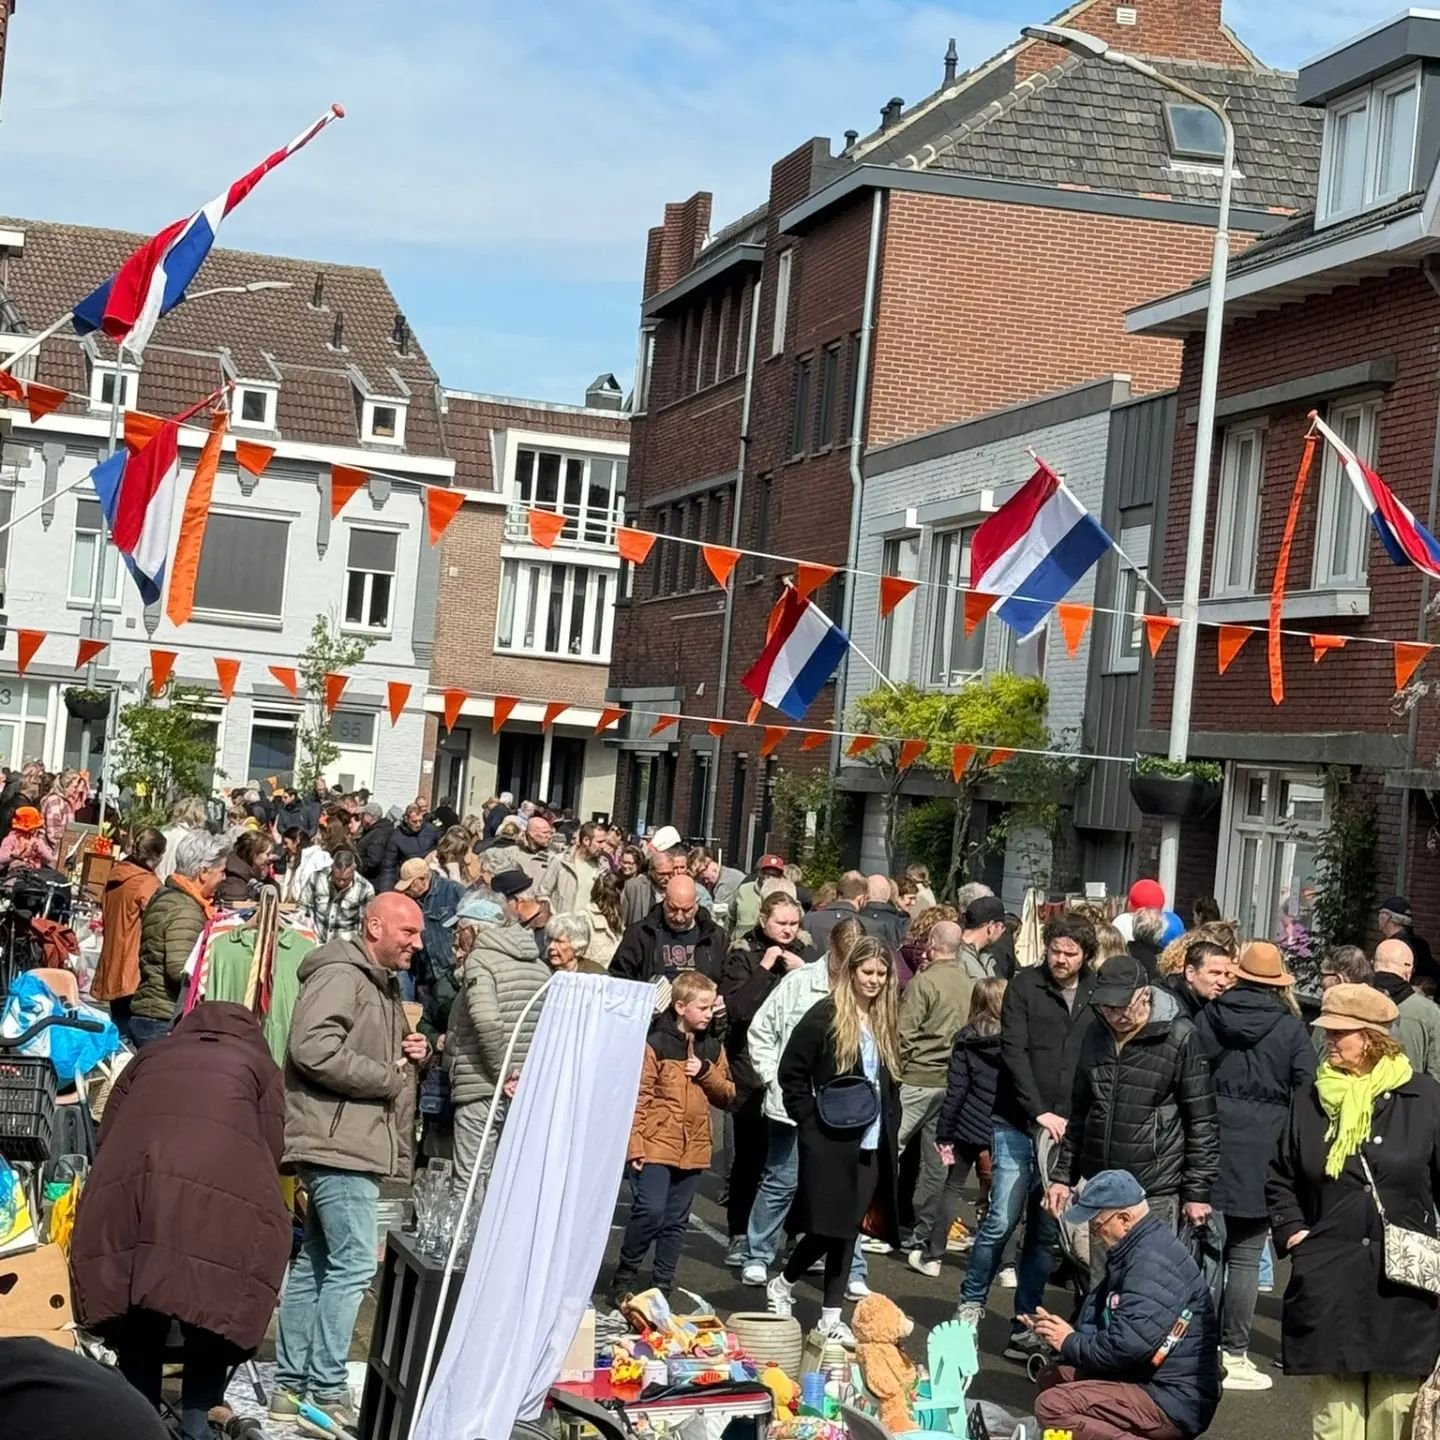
<point x="1143" y="1100"/>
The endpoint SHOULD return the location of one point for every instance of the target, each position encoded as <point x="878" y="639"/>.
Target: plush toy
<point x="783" y="1390"/>
<point x="880" y="1325"/>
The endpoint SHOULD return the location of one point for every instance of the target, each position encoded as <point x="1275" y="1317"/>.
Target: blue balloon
<point x="1174" y="928"/>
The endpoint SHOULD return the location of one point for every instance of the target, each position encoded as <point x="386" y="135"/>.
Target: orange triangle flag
<point x="1409" y="656"/>
<point x="141" y="429"/>
<point x="553" y="711"/>
<point x="227" y="671"/>
<point x="1157" y="627"/>
<point x="454" y="699"/>
<point x="441" y="506"/>
<point x="345" y="480"/>
<point x="162" y="665"/>
<point x="910" y="752"/>
<point x="1322" y="645"/>
<point x="10" y="387"/>
<point x="608" y="716"/>
<point x="397" y="692"/>
<point x="893" y="590"/>
<point x="815" y="740"/>
<point x="634" y="545"/>
<point x="977" y="607"/>
<point x="809" y="578"/>
<point x="185" y="566"/>
<point x="753" y="714"/>
<point x="721" y="560"/>
<point x="334" y="688"/>
<point x="42" y="399"/>
<point x="504" y="707"/>
<point x="545" y="527"/>
<point x="998" y="757"/>
<point x="1073" y="620"/>
<point x="774" y="734"/>
<point x="664" y="723"/>
<point x="28" y="642"/>
<point x="960" y="762"/>
<point x="87" y="650"/>
<point x="860" y="744"/>
<point x="253" y="457"/>
<point x="719" y="728"/>
<point x="1232" y="641"/>
<point x="288" y="678"/>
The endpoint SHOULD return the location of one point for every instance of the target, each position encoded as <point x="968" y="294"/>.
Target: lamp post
<point x="1081" y="43"/>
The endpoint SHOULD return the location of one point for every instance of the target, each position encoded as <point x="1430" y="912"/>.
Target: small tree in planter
<point x="163" y="745"/>
<point x="1177" y="789"/>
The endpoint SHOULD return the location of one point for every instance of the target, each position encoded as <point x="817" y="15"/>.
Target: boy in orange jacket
<point x="683" y="1076"/>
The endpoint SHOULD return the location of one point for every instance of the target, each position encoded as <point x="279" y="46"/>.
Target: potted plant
<point x="1177" y="789"/>
<point x="85" y="704"/>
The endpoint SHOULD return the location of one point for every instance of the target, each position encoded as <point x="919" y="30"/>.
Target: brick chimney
<point x="673" y="245"/>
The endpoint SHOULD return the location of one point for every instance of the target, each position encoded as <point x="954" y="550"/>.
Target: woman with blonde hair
<point x="838" y="1080"/>
<point x="1108" y="941"/>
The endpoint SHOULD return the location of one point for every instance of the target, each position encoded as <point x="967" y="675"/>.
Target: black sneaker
<point x="1023" y="1344"/>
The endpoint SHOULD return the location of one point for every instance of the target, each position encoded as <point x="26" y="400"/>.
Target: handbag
<point x="848" y="1102"/>
<point x="1412" y="1257"/>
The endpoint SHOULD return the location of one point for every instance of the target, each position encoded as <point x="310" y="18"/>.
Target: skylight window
<point x="1194" y="133"/>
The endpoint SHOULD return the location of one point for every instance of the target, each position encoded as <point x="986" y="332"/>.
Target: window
<point x="1342" y="534"/>
<point x="829" y="384"/>
<point x="722" y="325"/>
<point x="1194" y="133"/>
<point x="687" y="523"/>
<point x="644" y="369"/>
<point x="255" y="406"/>
<point x="764" y="500"/>
<point x="1368" y="155"/>
<point x="955" y="657"/>
<point x="897" y="629"/>
<point x="272" y="745"/>
<point x="384" y="422"/>
<point x="588" y="490"/>
<point x="782" y="300"/>
<point x="242" y="568"/>
<point x="704" y="335"/>
<point x="800" y="416"/>
<point x="852" y="384"/>
<point x="566" y="611"/>
<point x="369" y="579"/>
<point x="84" y="552"/>
<point x="742" y="321"/>
<point x="7" y="505"/>
<point x="103" y="379"/>
<point x="1024" y="657"/>
<point x="24" y="707"/>
<point x="1127" y="624"/>
<point x="1232" y="570"/>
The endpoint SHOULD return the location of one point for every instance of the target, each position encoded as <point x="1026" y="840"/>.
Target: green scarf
<point x="1349" y="1101"/>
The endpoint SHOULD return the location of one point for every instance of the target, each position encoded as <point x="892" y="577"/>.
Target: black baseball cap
<point x="1117" y="981"/>
<point x="511" y="883"/>
<point x="982" y="910"/>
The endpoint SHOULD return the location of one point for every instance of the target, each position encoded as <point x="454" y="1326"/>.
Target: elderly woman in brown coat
<point x="182" y="1219"/>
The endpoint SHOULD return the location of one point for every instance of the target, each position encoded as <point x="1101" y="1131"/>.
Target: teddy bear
<point x="879" y="1325"/>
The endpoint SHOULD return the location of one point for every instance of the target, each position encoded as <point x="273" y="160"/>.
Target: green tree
<point x="1346" y="867"/>
<point x="163" y="744"/>
<point x="329" y="652"/>
<point x="811" y="811"/>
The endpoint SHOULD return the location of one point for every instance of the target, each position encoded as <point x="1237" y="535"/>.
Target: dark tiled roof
<point x="1087" y="122"/>
<point x="471" y="420"/>
<point x="749" y="229"/>
<point x="1300" y="234"/>
<point x="318" y="403"/>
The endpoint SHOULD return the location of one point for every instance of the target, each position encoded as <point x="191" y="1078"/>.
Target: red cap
<point x="1147" y="895"/>
<point x="771" y="862"/>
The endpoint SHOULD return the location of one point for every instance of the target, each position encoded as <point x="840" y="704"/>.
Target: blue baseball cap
<point x="1109" y="1190"/>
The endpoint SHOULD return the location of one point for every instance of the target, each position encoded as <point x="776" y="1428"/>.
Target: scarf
<point x="189" y="886"/>
<point x="1349" y="1102"/>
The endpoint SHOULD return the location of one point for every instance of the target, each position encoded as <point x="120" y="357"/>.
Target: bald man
<point x="1418" y="1026"/>
<point x="881" y="916"/>
<point x="677" y="935"/>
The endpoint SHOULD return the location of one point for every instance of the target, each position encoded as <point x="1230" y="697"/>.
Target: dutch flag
<point x="800" y="655"/>
<point x="137" y="494"/>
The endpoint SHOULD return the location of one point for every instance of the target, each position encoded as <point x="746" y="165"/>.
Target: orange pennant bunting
<point x="719" y="728"/>
<point x="721" y="561"/>
<point x="545" y="527"/>
<point x="10" y="387"/>
<point x="910" y="752"/>
<point x="454" y="699"/>
<point x="664" y="723"/>
<point x="335" y="684"/>
<point x="774" y="734"/>
<point x="345" y="480"/>
<point x="1073" y="620"/>
<point x="1274" y="654"/>
<point x="441" y="506"/>
<point x="504" y="708"/>
<point x="608" y="716"/>
<point x="253" y="457"/>
<point x="815" y="740"/>
<point x="162" y="666"/>
<point x="634" y="545"/>
<point x="1322" y="645"/>
<point x="140" y="429"/>
<point x="288" y="678"/>
<point x="860" y="744"/>
<point x="27" y="643"/>
<point x="553" y="711"/>
<point x="960" y="761"/>
<point x="998" y="757"/>
<point x="1231" y="641"/>
<point x="893" y="589"/>
<point x="753" y="713"/>
<point x="227" y="671"/>
<point x="1409" y="656"/>
<point x="397" y="692"/>
<point x="87" y="650"/>
<point x="977" y="607"/>
<point x="1157" y="627"/>
<point x="809" y="578"/>
<point x="40" y="400"/>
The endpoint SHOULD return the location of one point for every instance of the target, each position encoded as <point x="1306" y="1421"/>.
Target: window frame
<point x="250" y="617"/>
<point x="801" y="398"/>
<point x="1127" y="640"/>
<point x="781" y="318"/>
<point x="573" y="535"/>
<point x="530" y="578"/>
<point x="827" y="394"/>
<point x="1220" y="559"/>
<point x="367" y="429"/>
<point x="1181" y="151"/>
<point x="1367" y="101"/>
<point x="946" y="608"/>
<point x="129" y="379"/>
<point x="270" y="394"/>
<point x="106" y="552"/>
<point x="273" y="715"/>
<point x="1333" y="484"/>
<point x="368" y="586"/>
<point x="895" y="639"/>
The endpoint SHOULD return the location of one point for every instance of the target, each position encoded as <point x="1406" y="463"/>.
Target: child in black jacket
<point x="962" y="1131"/>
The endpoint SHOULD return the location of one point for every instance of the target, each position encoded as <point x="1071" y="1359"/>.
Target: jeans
<point x="919" y="1112"/>
<point x="1014" y="1192"/>
<point x="948" y="1212"/>
<point x="1234" y="1289"/>
<point x="143" y="1030"/>
<point x="661" y="1197"/>
<point x="139" y="1344"/>
<point x="1267" y="1264"/>
<point x="327" y="1282"/>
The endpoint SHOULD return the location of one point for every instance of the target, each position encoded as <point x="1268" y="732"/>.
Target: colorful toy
<point x="783" y="1390"/>
<point x="880" y="1325"/>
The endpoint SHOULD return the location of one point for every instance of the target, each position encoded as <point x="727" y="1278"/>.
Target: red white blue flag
<point x="152" y="281"/>
<point x="800" y="655"/>
<point x="137" y="494"/>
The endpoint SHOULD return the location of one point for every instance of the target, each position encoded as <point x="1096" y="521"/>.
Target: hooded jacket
<point x="234" y="890"/>
<point x="966" y="1111"/>
<point x="1417" y="1027"/>
<point x="405" y="844"/>
<point x="370" y="849"/>
<point x="672" y="1111"/>
<point x="127" y="892"/>
<point x="1190" y="1003"/>
<point x="1259" y="1057"/>
<point x="1039" y="1037"/>
<point x="641" y="952"/>
<point x="500" y="974"/>
<point x="169" y="928"/>
<point x="349" y="1091"/>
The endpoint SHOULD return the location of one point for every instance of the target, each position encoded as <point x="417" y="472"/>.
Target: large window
<point x="897" y="629"/>
<point x="1127" y="624"/>
<point x="272" y="745"/>
<point x="565" y="611"/>
<point x="1368" y="157"/>
<point x="955" y="657"/>
<point x="1342" y="534"/>
<point x="1232" y="569"/>
<point x="370" y="580"/>
<point x="589" y="490"/>
<point x="24" y="707"/>
<point x="242" y="568"/>
<point x="85" y="548"/>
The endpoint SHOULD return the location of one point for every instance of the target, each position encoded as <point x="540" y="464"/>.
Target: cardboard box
<point x="65" y="1339"/>
<point x="35" y="1296"/>
<point x="578" y="1367"/>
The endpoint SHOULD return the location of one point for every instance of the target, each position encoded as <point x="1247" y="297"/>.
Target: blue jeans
<point x="1267" y="1264"/>
<point x="660" y="1201"/>
<point x="143" y="1030"/>
<point x="1014" y="1192"/>
<point x="327" y="1283"/>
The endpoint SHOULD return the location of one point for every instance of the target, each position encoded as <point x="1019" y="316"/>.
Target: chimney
<point x="337" y="334"/>
<point x="400" y="333"/>
<point x="951" y="59"/>
<point x="604" y="393"/>
<point x="851" y="136"/>
<point x="890" y="113"/>
<point x="317" y="295"/>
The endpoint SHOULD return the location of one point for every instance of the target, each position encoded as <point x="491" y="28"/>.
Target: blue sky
<point x="500" y="162"/>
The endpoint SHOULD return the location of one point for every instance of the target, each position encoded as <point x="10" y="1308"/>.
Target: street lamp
<point x="1081" y="43"/>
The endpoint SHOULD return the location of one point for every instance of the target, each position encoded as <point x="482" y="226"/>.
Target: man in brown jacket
<point x="349" y="1122"/>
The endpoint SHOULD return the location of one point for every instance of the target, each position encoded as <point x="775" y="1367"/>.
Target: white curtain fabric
<point x="546" y="1217"/>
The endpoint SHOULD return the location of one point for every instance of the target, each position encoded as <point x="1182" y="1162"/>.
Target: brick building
<point x="1336" y="312"/>
<point x="977" y="250"/>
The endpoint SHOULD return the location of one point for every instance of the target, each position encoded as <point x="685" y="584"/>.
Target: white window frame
<point x="946" y="603"/>
<point x="1335" y="484"/>
<point x="531" y="580"/>
<point x="644" y="368"/>
<point x="269" y="393"/>
<point x="573" y="536"/>
<point x="1127" y="635"/>
<point x="333" y="770"/>
<point x="254" y="617"/>
<point x="105" y="552"/>
<point x="1368" y="101"/>
<point x="43" y="712"/>
<point x="355" y="626"/>
<point x="367" y="428"/>
<point x="1225" y="512"/>
<point x="129" y="385"/>
<point x="895" y="647"/>
<point x="782" y="301"/>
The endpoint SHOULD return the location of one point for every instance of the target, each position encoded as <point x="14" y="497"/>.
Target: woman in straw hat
<point x="1368" y="1342"/>
<point x="1260" y="1055"/>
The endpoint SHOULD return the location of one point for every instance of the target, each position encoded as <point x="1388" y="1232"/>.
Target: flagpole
<point x="14" y="520"/>
<point x="35" y="342"/>
<point x="856" y="649"/>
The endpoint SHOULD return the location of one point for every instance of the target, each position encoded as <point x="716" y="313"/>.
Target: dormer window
<point x="383" y="422"/>
<point x="104" y="380"/>
<point x="254" y="405"/>
<point x="1369" y="152"/>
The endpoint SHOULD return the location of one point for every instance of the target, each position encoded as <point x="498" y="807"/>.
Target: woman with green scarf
<point x="1368" y="1343"/>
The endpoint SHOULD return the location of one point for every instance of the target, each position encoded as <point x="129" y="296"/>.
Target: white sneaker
<point x="754" y="1273"/>
<point x="1007" y="1279"/>
<point x="857" y="1290"/>
<point x="780" y="1296"/>
<point x="1242" y="1373"/>
<point x="838" y="1331"/>
<point x="916" y="1261"/>
<point x="872" y="1246"/>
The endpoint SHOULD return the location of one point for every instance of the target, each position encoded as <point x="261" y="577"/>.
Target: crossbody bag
<point x="1411" y="1257"/>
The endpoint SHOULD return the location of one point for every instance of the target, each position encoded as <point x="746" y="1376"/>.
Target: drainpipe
<point x="735" y="511"/>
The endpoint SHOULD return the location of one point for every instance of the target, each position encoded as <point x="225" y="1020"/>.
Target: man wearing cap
<point x="643" y="892"/>
<point x="677" y="935"/>
<point x="1396" y="923"/>
<point x="437" y="895"/>
<point x="745" y="911"/>
<point x="984" y="924"/>
<point x="1142" y="1359"/>
<point x="1418" y="1026"/>
<point x="370" y="843"/>
<point x="1142" y="1100"/>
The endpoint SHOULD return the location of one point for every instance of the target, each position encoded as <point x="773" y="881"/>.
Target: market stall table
<point x="752" y="1404"/>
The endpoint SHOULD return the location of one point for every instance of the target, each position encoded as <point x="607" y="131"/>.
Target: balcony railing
<point x="585" y="528"/>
